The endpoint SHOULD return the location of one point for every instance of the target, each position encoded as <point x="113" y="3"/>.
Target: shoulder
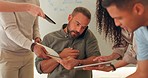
<point x="141" y="37"/>
<point x="141" y="33"/>
<point x="54" y="34"/>
<point x="142" y="29"/>
<point x="49" y="35"/>
<point x="89" y="33"/>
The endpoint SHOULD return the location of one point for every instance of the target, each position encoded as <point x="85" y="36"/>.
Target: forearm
<point x="6" y="6"/>
<point x="120" y="50"/>
<point x="141" y="71"/>
<point x="16" y="36"/>
<point x="48" y="66"/>
<point x="87" y="61"/>
<point x="120" y="63"/>
<point x="114" y="56"/>
<point x="36" y="32"/>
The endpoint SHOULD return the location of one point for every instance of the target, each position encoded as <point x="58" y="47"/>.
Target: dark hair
<point x="82" y="10"/>
<point x="118" y="3"/>
<point x="105" y="23"/>
<point x="123" y="4"/>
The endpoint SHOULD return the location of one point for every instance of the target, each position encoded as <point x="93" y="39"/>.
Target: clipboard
<point x="94" y="64"/>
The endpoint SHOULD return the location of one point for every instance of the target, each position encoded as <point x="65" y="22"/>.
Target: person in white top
<point x="17" y="30"/>
<point x="6" y="6"/>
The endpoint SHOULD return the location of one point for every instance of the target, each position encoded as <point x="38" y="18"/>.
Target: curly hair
<point x="105" y="24"/>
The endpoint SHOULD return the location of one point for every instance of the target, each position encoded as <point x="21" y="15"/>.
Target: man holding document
<point x="74" y="43"/>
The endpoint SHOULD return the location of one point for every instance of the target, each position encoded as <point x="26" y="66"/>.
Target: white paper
<point x="51" y="53"/>
<point x="109" y="62"/>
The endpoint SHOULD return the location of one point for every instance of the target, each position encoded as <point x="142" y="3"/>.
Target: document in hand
<point x="51" y="53"/>
<point x="82" y="66"/>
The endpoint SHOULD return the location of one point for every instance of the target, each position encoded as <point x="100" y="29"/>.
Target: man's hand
<point x="69" y="63"/>
<point x="69" y="52"/>
<point x="37" y="40"/>
<point x="40" y="51"/>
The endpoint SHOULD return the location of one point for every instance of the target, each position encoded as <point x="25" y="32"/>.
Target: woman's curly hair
<point x="105" y="24"/>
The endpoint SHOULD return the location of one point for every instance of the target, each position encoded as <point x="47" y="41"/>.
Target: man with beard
<point x="75" y="43"/>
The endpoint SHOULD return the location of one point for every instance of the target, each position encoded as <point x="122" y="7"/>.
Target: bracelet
<point x="113" y="67"/>
<point x="32" y="46"/>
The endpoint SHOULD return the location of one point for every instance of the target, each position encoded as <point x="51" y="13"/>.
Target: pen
<point x="49" y="19"/>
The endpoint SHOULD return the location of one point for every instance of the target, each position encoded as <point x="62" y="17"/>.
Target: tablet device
<point x="94" y="64"/>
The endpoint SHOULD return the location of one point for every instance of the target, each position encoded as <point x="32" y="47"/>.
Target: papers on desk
<point x="82" y="66"/>
<point x="51" y="53"/>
